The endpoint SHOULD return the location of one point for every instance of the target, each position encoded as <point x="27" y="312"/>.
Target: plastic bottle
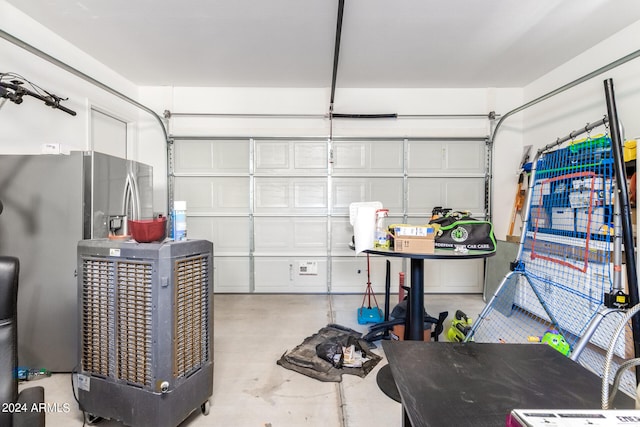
<point x="381" y="240"/>
<point x="179" y="221"/>
<point x="29" y="374"/>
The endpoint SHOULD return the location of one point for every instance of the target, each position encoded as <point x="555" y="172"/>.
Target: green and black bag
<point x="458" y="229"/>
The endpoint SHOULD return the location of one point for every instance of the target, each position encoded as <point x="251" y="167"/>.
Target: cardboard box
<point x="413" y="230"/>
<point x="398" y="331"/>
<point x="539" y="218"/>
<point x="513" y="239"/>
<point x="415" y="244"/>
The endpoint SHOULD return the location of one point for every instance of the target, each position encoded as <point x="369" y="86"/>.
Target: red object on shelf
<point x="148" y="230"/>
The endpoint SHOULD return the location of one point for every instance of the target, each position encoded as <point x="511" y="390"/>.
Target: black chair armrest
<point x="30" y="398"/>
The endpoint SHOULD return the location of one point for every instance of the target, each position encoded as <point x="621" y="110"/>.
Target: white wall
<point x="31" y="123"/>
<point x="585" y="103"/>
<point x="507" y="152"/>
<point x="568" y="111"/>
<point x="27" y="126"/>
<point x="315" y="101"/>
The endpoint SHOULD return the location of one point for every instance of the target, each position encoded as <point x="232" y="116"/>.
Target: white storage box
<point x="585" y="183"/>
<point x="597" y="219"/>
<point x="539" y="190"/>
<point x="581" y="199"/>
<point x="563" y="219"/>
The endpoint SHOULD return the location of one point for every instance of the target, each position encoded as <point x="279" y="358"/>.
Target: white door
<point x="108" y="134"/>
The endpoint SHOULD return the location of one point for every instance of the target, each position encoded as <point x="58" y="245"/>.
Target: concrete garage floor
<point x="251" y="332"/>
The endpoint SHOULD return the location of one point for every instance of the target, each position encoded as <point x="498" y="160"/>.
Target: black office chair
<point x="18" y="409"/>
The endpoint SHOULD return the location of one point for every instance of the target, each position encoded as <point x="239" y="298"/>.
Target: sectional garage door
<point x="277" y="210"/>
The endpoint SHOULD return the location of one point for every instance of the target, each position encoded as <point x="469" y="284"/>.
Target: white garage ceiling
<point x="290" y="43"/>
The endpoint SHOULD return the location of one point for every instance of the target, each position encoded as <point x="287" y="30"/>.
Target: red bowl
<point x="148" y="230"/>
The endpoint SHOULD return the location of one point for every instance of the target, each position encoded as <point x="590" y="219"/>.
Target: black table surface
<point x="437" y="254"/>
<point x="478" y="384"/>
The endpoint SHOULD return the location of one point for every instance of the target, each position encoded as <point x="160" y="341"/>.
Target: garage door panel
<point x="272" y="194"/>
<point x="452" y="276"/>
<point x="211" y="157"/>
<point x="345" y="192"/>
<point x="272" y="155"/>
<point x="229" y="234"/>
<point x="369" y="157"/>
<point x="290" y="157"/>
<point x="310" y="156"/>
<point x="387" y="156"/>
<point x="349" y="274"/>
<point x="269" y="204"/>
<point x="465" y="194"/>
<point x="349" y="156"/>
<point x="310" y="194"/>
<point x="213" y="194"/>
<point x="451" y="157"/>
<point x="291" y="195"/>
<point x="310" y="234"/>
<point x="425" y="157"/>
<point x="389" y="191"/>
<point x="456" y="193"/>
<point x="341" y="233"/>
<point x="278" y="274"/>
<point x="231" y="274"/>
<point x="290" y="235"/>
<point x="424" y="194"/>
<point x="466" y="157"/>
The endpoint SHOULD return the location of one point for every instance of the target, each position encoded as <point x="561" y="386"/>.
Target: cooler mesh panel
<point x="97" y="315"/>
<point x="134" y="322"/>
<point x="117" y="314"/>
<point x="191" y="334"/>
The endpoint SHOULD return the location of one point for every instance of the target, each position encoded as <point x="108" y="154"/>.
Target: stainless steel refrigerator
<point x="51" y="202"/>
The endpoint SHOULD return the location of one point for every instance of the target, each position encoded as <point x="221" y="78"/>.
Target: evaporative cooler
<point x="146" y="334"/>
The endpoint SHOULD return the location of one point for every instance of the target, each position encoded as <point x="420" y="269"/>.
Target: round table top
<point x="438" y="254"/>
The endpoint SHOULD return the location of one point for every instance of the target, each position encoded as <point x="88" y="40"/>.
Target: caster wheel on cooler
<point x="205" y="407"/>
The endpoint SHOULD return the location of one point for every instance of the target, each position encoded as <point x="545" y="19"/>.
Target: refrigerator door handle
<point x="127" y="200"/>
<point x="135" y="197"/>
<point x="130" y="197"/>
